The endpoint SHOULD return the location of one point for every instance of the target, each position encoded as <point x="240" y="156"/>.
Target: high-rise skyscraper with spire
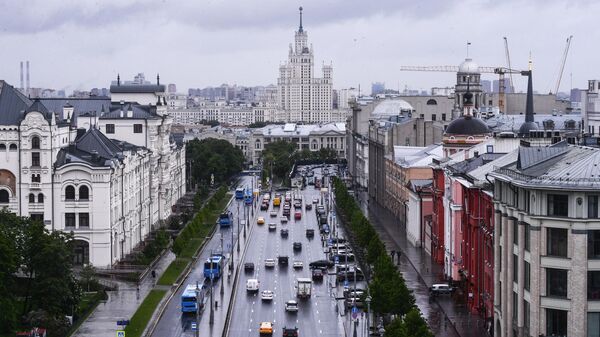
<point x="301" y="96"/>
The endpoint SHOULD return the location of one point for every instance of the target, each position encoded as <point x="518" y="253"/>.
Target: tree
<point x="279" y="156"/>
<point x="214" y="157"/>
<point x="8" y="267"/>
<point x="412" y="325"/>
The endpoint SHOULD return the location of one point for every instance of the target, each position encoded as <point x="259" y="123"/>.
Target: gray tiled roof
<point x="139" y="112"/>
<point x="12" y="104"/>
<point x="81" y="106"/>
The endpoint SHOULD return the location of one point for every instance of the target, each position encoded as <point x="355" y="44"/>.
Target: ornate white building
<point x="106" y="171"/>
<point x="302" y="97"/>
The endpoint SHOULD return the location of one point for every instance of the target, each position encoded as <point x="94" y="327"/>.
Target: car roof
<point x="265" y="324"/>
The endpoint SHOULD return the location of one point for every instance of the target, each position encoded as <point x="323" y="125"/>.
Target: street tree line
<point x="388" y="290"/>
<point x="37" y="284"/>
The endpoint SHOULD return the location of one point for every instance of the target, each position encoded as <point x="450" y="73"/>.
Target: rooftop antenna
<point x="300" y="30"/>
<point x="468" y="44"/>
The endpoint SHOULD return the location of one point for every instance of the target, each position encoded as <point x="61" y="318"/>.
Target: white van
<point x="252" y="285"/>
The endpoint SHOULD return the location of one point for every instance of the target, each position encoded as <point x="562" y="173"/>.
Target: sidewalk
<point x="121" y="303"/>
<point x="416" y="266"/>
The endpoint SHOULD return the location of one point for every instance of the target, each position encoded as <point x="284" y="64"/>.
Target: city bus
<point x="239" y="193"/>
<point x="225" y="219"/>
<point x="190" y="300"/>
<point x="213" y="267"/>
<point x="248" y="196"/>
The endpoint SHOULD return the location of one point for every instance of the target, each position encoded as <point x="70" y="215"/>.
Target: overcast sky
<point x="80" y="44"/>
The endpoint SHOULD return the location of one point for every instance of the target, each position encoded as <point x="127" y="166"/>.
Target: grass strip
<point x="173" y="271"/>
<point x="143" y="314"/>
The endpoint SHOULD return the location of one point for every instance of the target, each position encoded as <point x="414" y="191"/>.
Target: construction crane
<point x="562" y="65"/>
<point x="501" y="71"/>
<point x="507" y="54"/>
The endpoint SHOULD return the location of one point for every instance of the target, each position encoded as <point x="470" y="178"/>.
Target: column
<point x="577" y="291"/>
<point x="521" y="279"/>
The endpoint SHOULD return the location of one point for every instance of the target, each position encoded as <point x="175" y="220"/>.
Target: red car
<point x="297" y="215"/>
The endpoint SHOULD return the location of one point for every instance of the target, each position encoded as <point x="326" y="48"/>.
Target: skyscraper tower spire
<point x="300" y="30"/>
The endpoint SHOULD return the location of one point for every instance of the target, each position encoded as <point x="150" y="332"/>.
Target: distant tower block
<point x="22" y="84"/>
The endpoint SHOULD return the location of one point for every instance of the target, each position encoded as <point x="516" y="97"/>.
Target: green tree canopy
<point x="214" y="156"/>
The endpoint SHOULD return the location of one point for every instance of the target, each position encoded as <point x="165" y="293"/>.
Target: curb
<point x="162" y="306"/>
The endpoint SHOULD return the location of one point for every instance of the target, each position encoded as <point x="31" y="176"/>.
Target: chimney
<point x="27" y="76"/>
<point x="129" y="111"/>
<point x="22" y="84"/>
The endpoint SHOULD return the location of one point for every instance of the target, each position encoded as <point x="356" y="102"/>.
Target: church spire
<point x="300" y="30"/>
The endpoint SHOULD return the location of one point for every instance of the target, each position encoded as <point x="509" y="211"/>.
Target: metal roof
<point x="12" y="104"/>
<point x="137" y="88"/>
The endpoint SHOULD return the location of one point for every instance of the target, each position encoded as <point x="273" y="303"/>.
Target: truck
<point x="303" y="287"/>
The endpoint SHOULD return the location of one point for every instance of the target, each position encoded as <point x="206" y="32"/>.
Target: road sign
<point x="194" y="326"/>
<point x="120" y="333"/>
<point x="337" y="259"/>
<point x="346" y="283"/>
<point x="123" y="322"/>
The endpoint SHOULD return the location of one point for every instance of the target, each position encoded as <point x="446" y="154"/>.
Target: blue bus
<point x="225" y="219"/>
<point x="239" y="193"/>
<point x="190" y="300"/>
<point x="248" y="196"/>
<point x="213" y="267"/>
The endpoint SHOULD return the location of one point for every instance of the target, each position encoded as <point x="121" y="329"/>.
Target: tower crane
<point x="562" y="65"/>
<point x="501" y="71"/>
<point x="507" y="54"/>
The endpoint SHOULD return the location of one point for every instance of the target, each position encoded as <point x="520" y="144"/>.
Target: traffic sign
<point x="123" y="322"/>
<point x="194" y="326"/>
<point x="120" y="333"/>
<point x="346" y="283"/>
<point x="337" y="259"/>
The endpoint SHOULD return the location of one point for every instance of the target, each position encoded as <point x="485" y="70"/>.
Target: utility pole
<point x="211" y="320"/>
<point x="238" y="221"/>
<point x="197" y="310"/>
<point x="222" y="287"/>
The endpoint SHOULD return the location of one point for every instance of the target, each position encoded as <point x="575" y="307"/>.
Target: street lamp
<point x="368" y="300"/>
<point x="212" y="312"/>
<point x="197" y="310"/>
<point x="238" y="221"/>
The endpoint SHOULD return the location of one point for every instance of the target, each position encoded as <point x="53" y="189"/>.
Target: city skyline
<point x="358" y="39"/>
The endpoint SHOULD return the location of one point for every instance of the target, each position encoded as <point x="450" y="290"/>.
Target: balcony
<point x="35" y="186"/>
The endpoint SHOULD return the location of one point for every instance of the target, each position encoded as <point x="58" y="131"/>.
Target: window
<point x="422" y="116"/>
<point x="70" y="220"/>
<point x="13" y="147"/>
<point x="515" y="232"/>
<point x="431" y="102"/>
<point x="558" y="204"/>
<point x="35" y="143"/>
<point x="515" y="268"/>
<point x="137" y="128"/>
<point x="556" y="322"/>
<point x="39" y="217"/>
<point x="526" y="318"/>
<point x="527" y="236"/>
<point x="84" y="193"/>
<point x="593" y="324"/>
<point x="444" y="117"/>
<point x="515" y="312"/>
<point x="593" y="285"/>
<point x="3" y="196"/>
<point x="84" y="220"/>
<point x="2" y="147"/>
<point x="556" y="242"/>
<point x="433" y="117"/>
<point x="40" y="198"/>
<point x="527" y="276"/>
<point x="110" y="128"/>
<point x="70" y="193"/>
<point x="31" y="198"/>
<point x="35" y="159"/>
<point x="593" y="244"/>
<point x="35" y="178"/>
<point x="593" y="206"/>
<point x="556" y="282"/>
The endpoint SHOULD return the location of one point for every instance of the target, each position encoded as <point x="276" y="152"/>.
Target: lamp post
<point x="238" y="221"/>
<point x="212" y="312"/>
<point x="368" y="300"/>
<point x="197" y="310"/>
<point x="222" y="286"/>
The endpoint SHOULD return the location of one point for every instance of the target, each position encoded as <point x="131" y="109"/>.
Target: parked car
<point x="321" y="264"/>
<point x="440" y="289"/>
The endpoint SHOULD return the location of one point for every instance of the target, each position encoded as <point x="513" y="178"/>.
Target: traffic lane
<point x="173" y="322"/>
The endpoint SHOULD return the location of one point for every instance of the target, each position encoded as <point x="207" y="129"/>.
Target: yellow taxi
<point x="260" y="220"/>
<point x="266" y="328"/>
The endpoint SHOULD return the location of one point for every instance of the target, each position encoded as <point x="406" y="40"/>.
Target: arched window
<point x="4" y="196"/>
<point x="431" y="102"/>
<point x="40" y="198"/>
<point x="13" y="147"/>
<point x="84" y="193"/>
<point x="35" y="142"/>
<point x="31" y="198"/>
<point x="2" y="147"/>
<point x="70" y="193"/>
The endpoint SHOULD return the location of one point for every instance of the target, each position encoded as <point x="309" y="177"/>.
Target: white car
<point x="273" y="214"/>
<point x="266" y="295"/>
<point x="315" y="200"/>
<point x="252" y="285"/>
<point x="291" y="306"/>
<point x="298" y="265"/>
<point x="283" y="219"/>
<point x="270" y="263"/>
